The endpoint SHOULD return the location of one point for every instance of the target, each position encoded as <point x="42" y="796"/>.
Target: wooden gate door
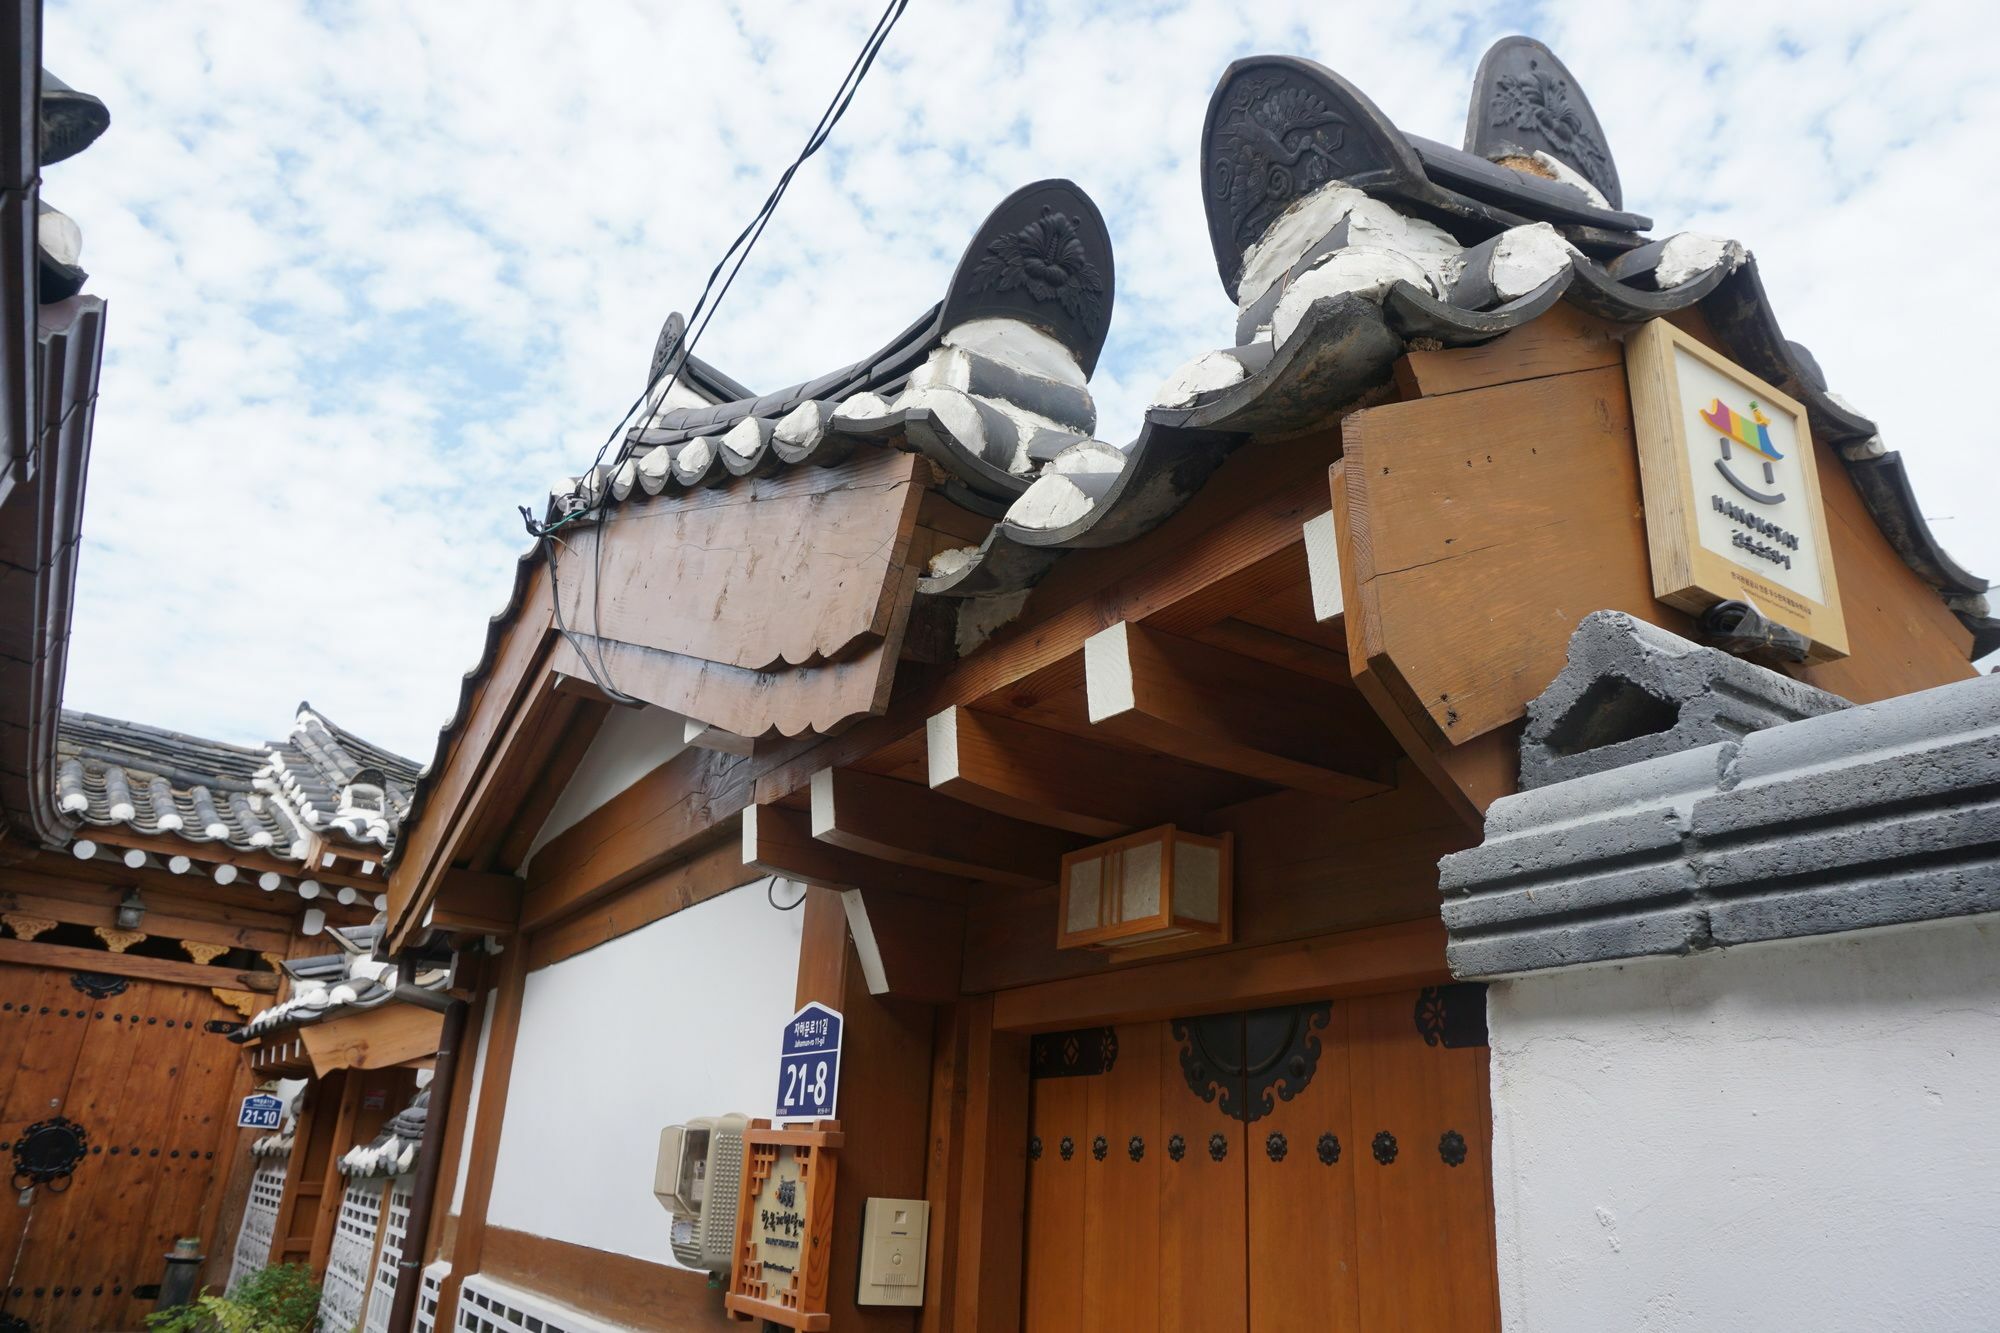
<point x="127" y="1062"/>
<point x="1312" y="1167"/>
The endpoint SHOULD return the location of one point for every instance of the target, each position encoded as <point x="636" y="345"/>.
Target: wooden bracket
<point x="915" y="826"/>
<point x="910" y="948"/>
<point x="1239" y="714"/>
<point x="476" y="903"/>
<point x="779" y="841"/>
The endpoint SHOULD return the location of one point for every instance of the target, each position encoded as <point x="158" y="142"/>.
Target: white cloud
<point x="377" y="272"/>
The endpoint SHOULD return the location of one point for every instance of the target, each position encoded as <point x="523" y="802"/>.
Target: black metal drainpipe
<point x="410" y="1264"/>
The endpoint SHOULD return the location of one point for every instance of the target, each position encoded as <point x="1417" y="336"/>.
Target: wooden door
<point x="1312" y="1167"/>
<point x="131" y="1064"/>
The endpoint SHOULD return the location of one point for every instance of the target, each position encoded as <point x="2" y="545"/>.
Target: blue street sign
<point x="260" y="1112"/>
<point x="809" y="1065"/>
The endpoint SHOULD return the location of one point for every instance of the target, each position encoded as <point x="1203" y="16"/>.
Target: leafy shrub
<point x="280" y="1299"/>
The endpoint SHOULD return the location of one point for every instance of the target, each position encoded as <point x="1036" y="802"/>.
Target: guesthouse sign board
<point x="1733" y="507"/>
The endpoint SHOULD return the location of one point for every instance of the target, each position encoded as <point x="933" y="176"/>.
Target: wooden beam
<point x="779" y="841"/>
<point x="615" y="1287"/>
<point x="1049" y="777"/>
<point x="706" y="737"/>
<point x="1234" y="713"/>
<point x="580" y="728"/>
<point x="908" y="947"/>
<point x="1359" y="962"/>
<point x="484" y="904"/>
<point x="104" y="912"/>
<point x="165" y="845"/>
<point x="374" y="1039"/>
<point x="70" y="959"/>
<point x="915" y="826"/>
<point x="715" y="869"/>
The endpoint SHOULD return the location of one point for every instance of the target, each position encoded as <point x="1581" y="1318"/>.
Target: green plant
<point x="280" y="1299"/>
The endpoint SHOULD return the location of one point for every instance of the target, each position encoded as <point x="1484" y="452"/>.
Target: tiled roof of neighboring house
<point x="330" y="985"/>
<point x="321" y="779"/>
<point x="1344" y="241"/>
<point x="394" y="1150"/>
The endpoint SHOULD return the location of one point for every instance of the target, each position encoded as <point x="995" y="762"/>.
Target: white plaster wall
<point x="1803" y="1135"/>
<point x="680" y="1018"/>
<point x="472" y="1103"/>
<point x="631" y="743"/>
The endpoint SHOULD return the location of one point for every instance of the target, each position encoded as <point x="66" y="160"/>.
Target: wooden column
<point x="884" y="1100"/>
<point x="977" y="1179"/>
<point x="470" y="1239"/>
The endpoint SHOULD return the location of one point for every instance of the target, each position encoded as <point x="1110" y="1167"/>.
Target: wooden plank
<point x="497" y="1069"/>
<point x="614" y="1287"/>
<point x="715" y="869"/>
<point x="649" y="826"/>
<point x="1561" y="342"/>
<point x="909" y="947"/>
<point x="914" y="826"/>
<point x="1053" y="1265"/>
<point x="1211" y="707"/>
<point x="1300" y="1207"/>
<point x="944" y="1164"/>
<point x="1121" y="1196"/>
<point x="43" y="1044"/>
<point x="375" y="1039"/>
<point x="779" y="841"/>
<point x="797" y="567"/>
<point x="467" y="900"/>
<point x="992" y="1194"/>
<point x="1407" y="954"/>
<point x="100" y="908"/>
<point x="1420" y="1204"/>
<point x="72" y="959"/>
<point x="578" y="732"/>
<point x="1049" y="777"/>
<point x="1201" y="1206"/>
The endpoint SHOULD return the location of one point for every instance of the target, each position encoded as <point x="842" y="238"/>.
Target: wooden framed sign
<point x="1733" y="508"/>
<point x="784" y="1225"/>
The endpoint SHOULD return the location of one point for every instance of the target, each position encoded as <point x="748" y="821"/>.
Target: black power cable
<point x="683" y="348"/>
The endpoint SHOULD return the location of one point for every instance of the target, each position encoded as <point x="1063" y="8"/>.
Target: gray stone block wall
<point x="1856" y="817"/>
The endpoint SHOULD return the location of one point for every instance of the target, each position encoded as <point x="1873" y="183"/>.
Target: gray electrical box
<point x="696" y="1178"/>
<point x="894" y="1233"/>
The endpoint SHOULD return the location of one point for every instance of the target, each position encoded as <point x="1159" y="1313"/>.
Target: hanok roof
<point x="394" y="1150"/>
<point x="321" y="779"/>
<point x="330" y="985"/>
<point x="1345" y="242"/>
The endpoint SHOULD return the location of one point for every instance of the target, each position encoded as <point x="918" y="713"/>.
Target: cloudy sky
<point x="379" y="272"/>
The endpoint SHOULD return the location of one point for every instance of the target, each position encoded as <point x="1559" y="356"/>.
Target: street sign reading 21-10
<point x="809" y="1065"/>
<point x="260" y="1112"/>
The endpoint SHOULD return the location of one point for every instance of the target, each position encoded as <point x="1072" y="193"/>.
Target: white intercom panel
<point x="696" y="1178"/>
<point x="894" y="1233"/>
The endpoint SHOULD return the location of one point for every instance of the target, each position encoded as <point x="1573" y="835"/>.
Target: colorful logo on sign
<point x="1753" y="432"/>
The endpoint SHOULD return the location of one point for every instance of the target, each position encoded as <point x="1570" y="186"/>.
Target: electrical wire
<point x="678" y="356"/>
<point x="771" y="892"/>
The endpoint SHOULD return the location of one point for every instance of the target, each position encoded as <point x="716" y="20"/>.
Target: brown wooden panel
<point x="1121" y="1197"/>
<point x="1202" y="1208"/>
<point x="1301" y="1209"/>
<point x="616" y="1287"/>
<point x="1052" y="1269"/>
<point x="1424" y="1227"/>
<point x="1561" y="342"/>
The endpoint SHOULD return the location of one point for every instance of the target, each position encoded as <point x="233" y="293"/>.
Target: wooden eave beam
<point x="915" y="826"/>
<point x="373" y="1039"/>
<point x="779" y="841"/>
<point x="1235" y="713"/>
<point x="67" y="958"/>
<point x="476" y="903"/>
<point x="1050" y="777"/>
<point x="165" y="845"/>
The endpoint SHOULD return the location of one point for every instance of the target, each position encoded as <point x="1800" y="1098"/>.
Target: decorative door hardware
<point x="1451" y="1148"/>
<point x="1241" y="1060"/>
<point x="1067" y="1147"/>
<point x="1274" y="1146"/>
<point x="1077" y="1053"/>
<point x="1218" y="1147"/>
<point x="1035" y="1148"/>
<point x="1452" y="1016"/>
<point x="1385" y="1147"/>
<point x="1135" y="1147"/>
<point x="1176" y="1147"/>
<point x="1099" y="1147"/>
<point x="47" y="1152"/>
<point x="98" y="985"/>
<point x="1329" y="1148"/>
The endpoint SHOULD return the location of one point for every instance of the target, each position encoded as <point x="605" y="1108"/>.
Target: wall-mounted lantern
<point x="131" y="910"/>
<point x="1159" y="891"/>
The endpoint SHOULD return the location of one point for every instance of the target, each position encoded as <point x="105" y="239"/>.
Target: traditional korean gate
<point x="124" y="1071"/>
<point x="1315" y="1167"/>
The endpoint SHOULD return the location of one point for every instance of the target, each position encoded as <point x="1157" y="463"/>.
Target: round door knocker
<point x="47" y="1152"/>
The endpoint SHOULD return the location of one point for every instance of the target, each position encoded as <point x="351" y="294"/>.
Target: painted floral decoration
<point x="1046" y="257"/>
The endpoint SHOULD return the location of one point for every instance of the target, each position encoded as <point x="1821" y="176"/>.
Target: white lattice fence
<point x="394" y="1228"/>
<point x="348" y="1262"/>
<point x="260" y="1221"/>
<point x="429" y="1294"/>
<point x="486" y="1306"/>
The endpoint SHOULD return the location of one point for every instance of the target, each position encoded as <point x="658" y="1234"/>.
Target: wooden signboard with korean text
<point x="784" y="1225"/>
<point x="1733" y="508"/>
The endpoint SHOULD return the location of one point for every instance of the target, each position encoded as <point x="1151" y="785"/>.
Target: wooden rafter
<point x="915" y="826"/>
<point x="1235" y="713"/>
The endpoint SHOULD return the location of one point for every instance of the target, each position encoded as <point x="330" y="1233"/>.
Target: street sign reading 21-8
<point x="809" y="1065"/>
